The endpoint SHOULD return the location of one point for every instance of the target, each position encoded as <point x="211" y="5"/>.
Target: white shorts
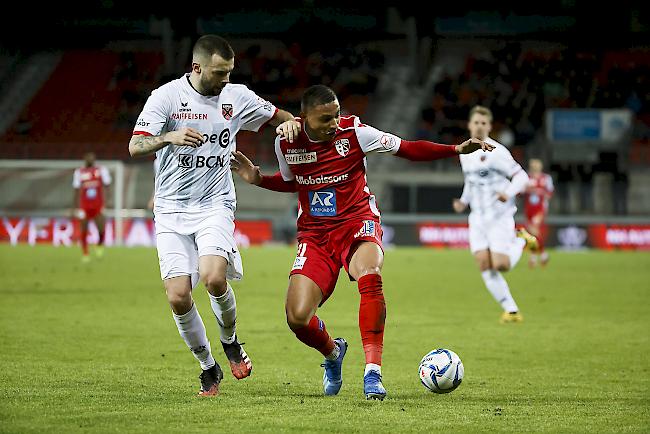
<point x="181" y="238"/>
<point x="497" y="234"/>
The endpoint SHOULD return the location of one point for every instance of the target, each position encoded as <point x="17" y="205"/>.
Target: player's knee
<point x="215" y="284"/>
<point x="180" y="302"/>
<point x="364" y="271"/>
<point x="297" y="319"/>
<point x="502" y="266"/>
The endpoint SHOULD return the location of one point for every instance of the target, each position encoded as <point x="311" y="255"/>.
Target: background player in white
<point x="191" y="124"/>
<point x="492" y="181"/>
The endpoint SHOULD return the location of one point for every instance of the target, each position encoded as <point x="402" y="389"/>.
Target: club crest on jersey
<point x="387" y="142"/>
<point x="322" y="203"/>
<point x="342" y="147"/>
<point x="226" y="111"/>
<point x="367" y="230"/>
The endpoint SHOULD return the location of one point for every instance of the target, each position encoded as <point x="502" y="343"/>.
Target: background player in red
<point x="89" y="182"/>
<point x="539" y="191"/>
<point x="338" y="223"/>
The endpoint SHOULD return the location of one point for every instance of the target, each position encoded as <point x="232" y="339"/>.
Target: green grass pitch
<point x="94" y="348"/>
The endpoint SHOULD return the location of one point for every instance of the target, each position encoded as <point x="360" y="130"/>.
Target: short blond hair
<point x="481" y="111"/>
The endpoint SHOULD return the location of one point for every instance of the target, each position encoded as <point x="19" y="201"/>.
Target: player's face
<point x="89" y="159"/>
<point x="535" y="166"/>
<point x="479" y="126"/>
<point x="323" y="120"/>
<point x="215" y="74"/>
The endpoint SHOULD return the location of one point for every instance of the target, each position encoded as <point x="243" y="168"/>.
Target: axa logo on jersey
<point x="322" y="203"/>
<point x="190" y="161"/>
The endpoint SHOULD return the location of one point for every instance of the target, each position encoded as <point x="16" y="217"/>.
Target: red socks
<point x="315" y="335"/>
<point x="84" y="241"/>
<point x="372" y="316"/>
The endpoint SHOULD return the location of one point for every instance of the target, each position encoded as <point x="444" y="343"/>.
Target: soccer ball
<point x="441" y="371"/>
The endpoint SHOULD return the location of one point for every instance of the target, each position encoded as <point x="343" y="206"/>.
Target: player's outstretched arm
<point x="422" y="150"/>
<point x="240" y="164"/>
<point x="141" y="145"/>
<point x="471" y="145"/>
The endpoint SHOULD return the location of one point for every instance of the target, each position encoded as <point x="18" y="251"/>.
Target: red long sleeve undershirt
<point x="418" y="150"/>
<point x="277" y="183"/>
<point x="422" y="150"/>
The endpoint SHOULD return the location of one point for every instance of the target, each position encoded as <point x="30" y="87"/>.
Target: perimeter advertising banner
<point x="137" y="231"/>
<point x="140" y="232"/>
<point x="570" y="237"/>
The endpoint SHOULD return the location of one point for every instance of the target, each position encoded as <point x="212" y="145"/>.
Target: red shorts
<point x="535" y="214"/>
<point x="91" y="213"/>
<point x="321" y="254"/>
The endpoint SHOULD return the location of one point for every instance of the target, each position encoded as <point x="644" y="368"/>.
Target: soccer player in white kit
<point x="190" y="124"/>
<point x="492" y="181"/>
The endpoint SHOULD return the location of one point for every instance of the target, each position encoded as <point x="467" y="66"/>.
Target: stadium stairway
<point x="21" y="84"/>
<point x="77" y="108"/>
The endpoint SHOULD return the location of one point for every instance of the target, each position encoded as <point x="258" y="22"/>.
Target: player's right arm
<point x="142" y="144"/>
<point x="76" y="186"/>
<point x="460" y="205"/>
<point x="253" y="175"/>
<point x="148" y="134"/>
<point x="282" y="181"/>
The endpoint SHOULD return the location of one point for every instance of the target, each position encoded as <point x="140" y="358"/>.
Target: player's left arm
<point x="76" y="186"/>
<point x="257" y="111"/>
<point x="518" y="184"/>
<point x="106" y="180"/>
<point x="423" y="150"/>
<point x="550" y="188"/>
<point x="288" y="126"/>
<point x="373" y="140"/>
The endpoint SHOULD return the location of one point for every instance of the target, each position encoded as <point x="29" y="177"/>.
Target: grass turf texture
<point x="94" y="348"/>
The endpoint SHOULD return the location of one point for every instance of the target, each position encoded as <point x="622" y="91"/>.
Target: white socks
<point x="225" y="311"/>
<point x="516" y="249"/>
<point x="499" y="289"/>
<point x="336" y="352"/>
<point x="372" y="367"/>
<point x="191" y="328"/>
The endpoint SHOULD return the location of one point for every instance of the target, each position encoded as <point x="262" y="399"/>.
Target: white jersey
<point x="199" y="179"/>
<point x="486" y="175"/>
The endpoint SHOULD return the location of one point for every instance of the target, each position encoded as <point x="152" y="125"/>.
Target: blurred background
<point x="567" y="84"/>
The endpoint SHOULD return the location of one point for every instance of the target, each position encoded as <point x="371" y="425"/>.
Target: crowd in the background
<point x="277" y="75"/>
<point x="519" y="86"/>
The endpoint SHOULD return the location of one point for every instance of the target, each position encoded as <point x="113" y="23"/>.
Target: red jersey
<point x="90" y="181"/>
<point x="330" y="176"/>
<point x="539" y="191"/>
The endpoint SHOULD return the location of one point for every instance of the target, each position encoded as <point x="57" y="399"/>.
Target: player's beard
<point x="212" y="89"/>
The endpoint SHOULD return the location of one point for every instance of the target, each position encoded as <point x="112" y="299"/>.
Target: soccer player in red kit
<point x="539" y="191"/>
<point x="338" y="223"/>
<point x="88" y="182"/>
